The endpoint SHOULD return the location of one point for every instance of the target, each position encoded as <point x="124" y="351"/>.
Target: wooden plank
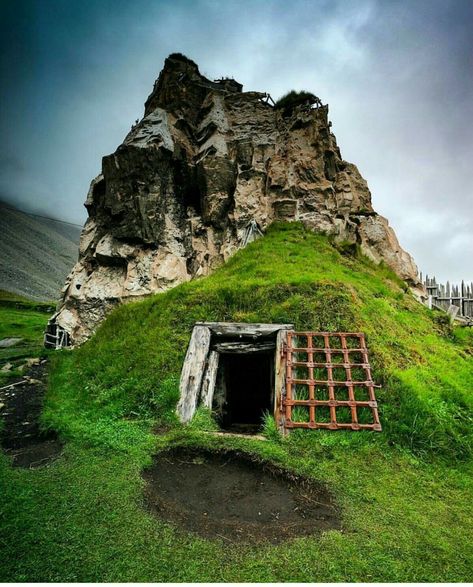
<point x="244" y="347"/>
<point x="453" y="311"/>
<point x="280" y="379"/>
<point x="208" y="383"/>
<point x="244" y="329"/>
<point x="252" y="232"/>
<point x="220" y="394"/>
<point x="192" y="372"/>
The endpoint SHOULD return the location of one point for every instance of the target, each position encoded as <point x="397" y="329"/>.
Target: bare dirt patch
<point x="232" y="496"/>
<point x="21" y="437"/>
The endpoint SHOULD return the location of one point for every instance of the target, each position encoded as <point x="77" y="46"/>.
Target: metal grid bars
<point x="328" y="382"/>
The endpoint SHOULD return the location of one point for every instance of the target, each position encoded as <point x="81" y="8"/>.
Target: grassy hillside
<point x="405" y="493"/>
<point x="24" y="319"/>
<point x="133" y="363"/>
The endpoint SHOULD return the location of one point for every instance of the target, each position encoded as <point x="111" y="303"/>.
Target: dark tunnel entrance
<point x="246" y="383"/>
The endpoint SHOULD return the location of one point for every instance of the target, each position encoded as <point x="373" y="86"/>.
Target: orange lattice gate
<point x="328" y="382"/>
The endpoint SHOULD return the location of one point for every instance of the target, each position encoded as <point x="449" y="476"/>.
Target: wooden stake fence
<point x="444" y="297"/>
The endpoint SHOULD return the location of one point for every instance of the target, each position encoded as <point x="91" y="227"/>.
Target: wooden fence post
<point x="442" y="296"/>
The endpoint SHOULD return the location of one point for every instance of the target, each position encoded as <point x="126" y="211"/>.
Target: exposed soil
<point x="229" y="495"/>
<point x="20" y="435"/>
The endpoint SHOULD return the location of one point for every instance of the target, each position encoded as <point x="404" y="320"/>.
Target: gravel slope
<point x="36" y="254"/>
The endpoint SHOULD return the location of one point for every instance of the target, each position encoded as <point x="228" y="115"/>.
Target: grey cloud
<point x="397" y="77"/>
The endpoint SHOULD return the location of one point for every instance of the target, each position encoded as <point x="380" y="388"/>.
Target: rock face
<point x="207" y="168"/>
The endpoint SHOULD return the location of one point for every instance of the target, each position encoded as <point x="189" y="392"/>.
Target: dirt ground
<point x="20" y="434"/>
<point x="230" y="496"/>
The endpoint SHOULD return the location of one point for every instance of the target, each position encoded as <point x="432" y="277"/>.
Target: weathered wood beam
<point x="244" y="347"/>
<point x="280" y="379"/>
<point x="208" y="383"/>
<point x="192" y="372"/>
<point x="244" y="329"/>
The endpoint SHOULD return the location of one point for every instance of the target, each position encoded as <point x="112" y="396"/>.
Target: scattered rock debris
<point x="20" y="407"/>
<point x="33" y="361"/>
<point x="232" y="496"/>
<point x="8" y="342"/>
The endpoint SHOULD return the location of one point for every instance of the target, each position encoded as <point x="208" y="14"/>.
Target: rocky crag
<point x="205" y="170"/>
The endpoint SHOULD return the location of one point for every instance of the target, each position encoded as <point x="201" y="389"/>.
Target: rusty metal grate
<point x="328" y="382"/>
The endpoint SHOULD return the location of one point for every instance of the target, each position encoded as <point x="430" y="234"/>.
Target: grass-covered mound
<point x="405" y="493"/>
<point x="131" y="367"/>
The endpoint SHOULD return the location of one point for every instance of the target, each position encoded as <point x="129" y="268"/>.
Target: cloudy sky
<point x="397" y="75"/>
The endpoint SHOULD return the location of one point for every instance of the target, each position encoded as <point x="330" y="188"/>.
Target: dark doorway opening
<point x="246" y="383"/>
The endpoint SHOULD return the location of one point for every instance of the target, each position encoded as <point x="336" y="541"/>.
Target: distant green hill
<point x="36" y="253"/>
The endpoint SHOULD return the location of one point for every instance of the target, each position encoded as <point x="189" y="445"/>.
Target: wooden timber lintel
<point x="244" y="329"/>
<point x="243" y="347"/>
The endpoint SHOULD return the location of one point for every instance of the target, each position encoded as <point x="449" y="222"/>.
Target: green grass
<point x="294" y="98"/>
<point x="131" y="366"/>
<point x="25" y="319"/>
<point x="405" y="493"/>
<point x="82" y="519"/>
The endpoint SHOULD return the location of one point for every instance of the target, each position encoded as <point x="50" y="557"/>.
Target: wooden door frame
<point x="200" y="368"/>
